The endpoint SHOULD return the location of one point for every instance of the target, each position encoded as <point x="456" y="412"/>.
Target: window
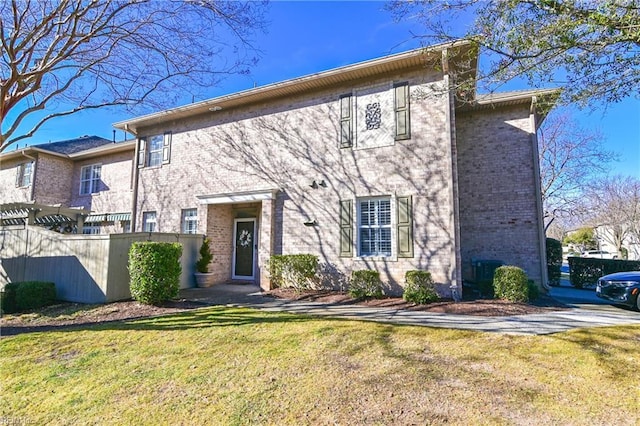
<point x="91" y="229"/>
<point x="154" y="151"/>
<point x="374" y="227"/>
<point x="346" y="122"/>
<point x="189" y="221"/>
<point x="25" y="171"/>
<point x="374" y="223"/>
<point x="90" y="179"/>
<point x="401" y="109"/>
<point x="149" y="222"/>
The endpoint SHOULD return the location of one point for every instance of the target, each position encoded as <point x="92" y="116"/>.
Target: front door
<point x="244" y="233"/>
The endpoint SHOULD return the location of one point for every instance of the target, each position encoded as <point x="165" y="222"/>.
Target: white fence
<point x="84" y="268"/>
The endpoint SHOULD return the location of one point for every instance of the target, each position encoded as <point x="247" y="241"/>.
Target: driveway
<point x="586" y="311"/>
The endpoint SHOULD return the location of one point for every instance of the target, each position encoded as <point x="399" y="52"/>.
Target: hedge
<point x="154" y="270"/>
<point x="419" y="287"/>
<point x="554" y="260"/>
<point x="365" y="284"/>
<point x="23" y="296"/>
<point x="293" y="270"/>
<point x="511" y="283"/>
<point x="586" y="270"/>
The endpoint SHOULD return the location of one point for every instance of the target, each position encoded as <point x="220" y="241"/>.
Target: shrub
<point x="293" y="270"/>
<point x="154" y="269"/>
<point x="23" y="296"/>
<point x="586" y="271"/>
<point x="365" y="284"/>
<point x="554" y="260"/>
<point x="511" y="283"/>
<point x="419" y="287"/>
<point x="534" y="291"/>
<point x="202" y="265"/>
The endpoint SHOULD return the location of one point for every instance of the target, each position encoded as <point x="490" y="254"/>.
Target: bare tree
<point x="614" y="206"/>
<point x="589" y="47"/>
<point x="570" y="159"/>
<point x="64" y="56"/>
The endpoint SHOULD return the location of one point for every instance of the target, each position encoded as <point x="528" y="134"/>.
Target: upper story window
<point x="189" y="221"/>
<point x="90" y="179"/>
<point x="154" y="151"/>
<point x="149" y="222"/>
<point x="374" y="227"/>
<point x="24" y="174"/>
<point x="401" y="109"/>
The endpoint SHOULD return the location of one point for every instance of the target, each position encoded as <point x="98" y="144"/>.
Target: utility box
<point x="483" y="270"/>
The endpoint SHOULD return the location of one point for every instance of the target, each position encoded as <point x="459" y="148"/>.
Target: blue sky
<point x="308" y="37"/>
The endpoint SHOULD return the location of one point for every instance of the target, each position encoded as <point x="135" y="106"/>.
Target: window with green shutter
<point x="346" y="228"/>
<point x="404" y="226"/>
<point x="346" y="121"/>
<point x="401" y="109"/>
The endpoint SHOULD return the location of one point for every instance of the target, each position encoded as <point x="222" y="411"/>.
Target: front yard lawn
<point x="223" y="365"/>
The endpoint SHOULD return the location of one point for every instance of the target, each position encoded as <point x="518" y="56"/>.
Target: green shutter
<point x="166" y="148"/>
<point x="401" y="108"/>
<point x="142" y="153"/>
<point x="405" y="227"/>
<point x="346" y="126"/>
<point x="346" y="228"/>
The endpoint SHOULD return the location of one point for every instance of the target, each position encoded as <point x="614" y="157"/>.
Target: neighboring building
<point x="85" y="180"/>
<point x="377" y="165"/>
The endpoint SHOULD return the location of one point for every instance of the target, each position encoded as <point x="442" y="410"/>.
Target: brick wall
<point x="53" y="180"/>
<point x="497" y="189"/>
<point x="287" y="144"/>
<point x="8" y="173"/>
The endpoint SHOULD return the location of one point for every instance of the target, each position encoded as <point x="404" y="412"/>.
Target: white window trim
<point x="156" y="151"/>
<point x="94" y="184"/>
<point x="21" y="174"/>
<point x="147" y="220"/>
<point x="392" y="225"/>
<point x="189" y="219"/>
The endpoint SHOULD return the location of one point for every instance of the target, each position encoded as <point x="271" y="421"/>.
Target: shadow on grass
<point x="215" y="316"/>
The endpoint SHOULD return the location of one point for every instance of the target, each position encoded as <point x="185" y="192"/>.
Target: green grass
<point x="240" y="366"/>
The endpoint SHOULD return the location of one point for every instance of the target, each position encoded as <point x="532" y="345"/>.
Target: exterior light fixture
<point x="215" y="108"/>
<point x="311" y="223"/>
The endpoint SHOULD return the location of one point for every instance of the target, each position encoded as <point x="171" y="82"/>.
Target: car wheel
<point x="638" y="302"/>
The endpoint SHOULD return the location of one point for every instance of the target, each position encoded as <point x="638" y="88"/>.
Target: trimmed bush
<point x="154" y="269"/>
<point x="365" y="284"/>
<point x="554" y="260"/>
<point x="293" y="270"/>
<point x="586" y="271"/>
<point x="419" y="287"/>
<point x="23" y="296"/>
<point x="511" y="283"/>
<point x="202" y="265"/>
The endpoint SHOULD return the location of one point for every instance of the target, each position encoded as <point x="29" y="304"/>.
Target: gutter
<point x="536" y="172"/>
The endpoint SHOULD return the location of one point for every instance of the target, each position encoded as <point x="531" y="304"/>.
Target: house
<point x="83" y="182"/>
<point x="390" y="164"/>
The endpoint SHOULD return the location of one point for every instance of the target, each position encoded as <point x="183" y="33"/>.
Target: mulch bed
<point x="76" y="315"/>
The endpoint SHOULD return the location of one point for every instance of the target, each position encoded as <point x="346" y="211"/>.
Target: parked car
<point x="621" y="288"/>
<point x="599" y="254"/>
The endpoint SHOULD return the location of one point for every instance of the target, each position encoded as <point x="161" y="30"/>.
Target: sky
<point x="307" y="37"/>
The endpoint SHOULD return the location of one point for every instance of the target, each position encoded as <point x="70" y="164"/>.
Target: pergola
<point x="43" y="215"/>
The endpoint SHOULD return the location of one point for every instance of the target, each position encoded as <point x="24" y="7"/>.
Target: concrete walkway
<point x="586" y="311"/>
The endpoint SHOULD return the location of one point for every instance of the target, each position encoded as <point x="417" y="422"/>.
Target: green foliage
<point x="534" y="290"/>
<point x="624" y="253"/>
<point x="554" y="260"/>
<point x="419" y="287"/>
<point x="365" y="284"/>
<point x="583" y="237"/>
<point x="293" y="270"/>
<point x="584" y="271"/>
<point x="202" y="265"/>
<point x="154" y="269"/>
<point x="23" y="296"/>
<point x="511" y="283"/>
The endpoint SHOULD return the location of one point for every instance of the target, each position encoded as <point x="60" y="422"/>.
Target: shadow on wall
<point x="73" y="282"/>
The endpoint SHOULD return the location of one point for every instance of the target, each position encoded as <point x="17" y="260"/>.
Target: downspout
<point x="536" y="172"/>
<point x="33" y="174"/>
<point x="456" y="269"/>
<point x="134" y="183"/>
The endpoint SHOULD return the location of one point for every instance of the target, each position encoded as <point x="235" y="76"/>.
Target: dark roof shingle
<point x="72" y="146"/>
